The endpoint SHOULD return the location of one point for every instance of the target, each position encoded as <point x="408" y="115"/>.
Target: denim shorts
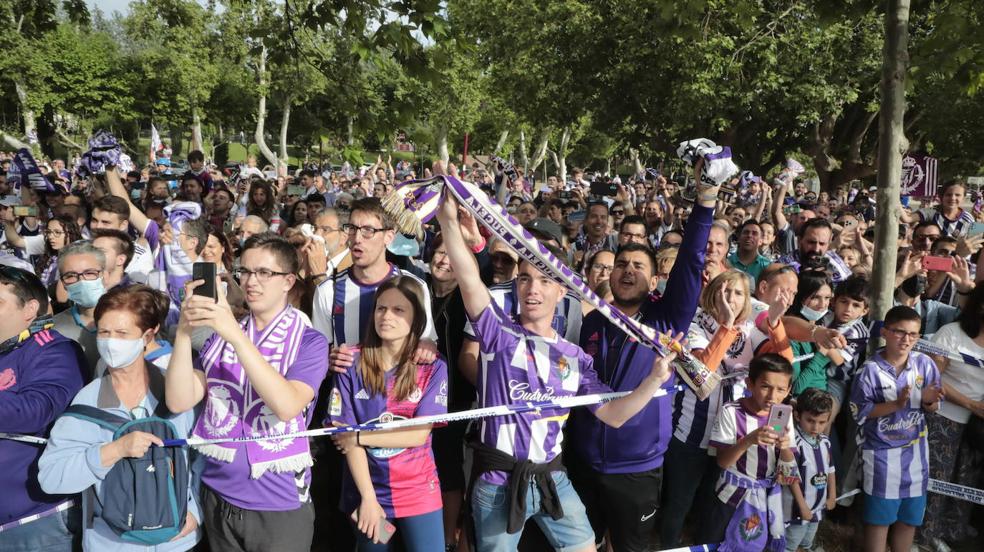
<point x="490" y="510"/>
<point x="886" y="511"/>
<point x="800" y="535"/>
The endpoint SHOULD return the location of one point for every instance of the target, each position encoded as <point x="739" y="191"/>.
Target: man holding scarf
<point x="618" y="472"/>
<point x="41" y="373"/>
<point x="257" y="376"/>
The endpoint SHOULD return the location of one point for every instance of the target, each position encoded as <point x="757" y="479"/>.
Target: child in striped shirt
<point x="804" y="503"/>
<point x="754" y="459"/>
<point x="891" y="395"/>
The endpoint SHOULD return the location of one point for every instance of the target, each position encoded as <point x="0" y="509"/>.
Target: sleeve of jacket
<point x="684" y="283"/>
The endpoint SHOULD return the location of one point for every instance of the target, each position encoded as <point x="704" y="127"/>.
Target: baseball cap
<point x="163" y="161"/>
<point x="546" y="227"/>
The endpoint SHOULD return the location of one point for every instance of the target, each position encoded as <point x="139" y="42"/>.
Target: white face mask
<point x="117" y="352"/>
<point x="812" y="315"/>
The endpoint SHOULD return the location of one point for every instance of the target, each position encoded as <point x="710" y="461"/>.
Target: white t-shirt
<point x="966" y="379"/>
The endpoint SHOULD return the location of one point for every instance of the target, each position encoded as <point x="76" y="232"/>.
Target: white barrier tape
<point x="953" y="490"/>
<point x="847" y="495"/>
<point x="501" y="410"/>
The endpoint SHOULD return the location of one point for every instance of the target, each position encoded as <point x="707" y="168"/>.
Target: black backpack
<point x="144" y="500"/>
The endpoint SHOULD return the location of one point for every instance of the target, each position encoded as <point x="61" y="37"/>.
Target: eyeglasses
<point x="618" y="213"/>
<point x="262" y="274"/>
<point x="364" y="231"/>
<point x="946" y="253"/>
<point x="922" y="237"/>
<point x="902" y="334"/>
<point x="631" y="235"/>
<point x="70" y="278"/>
<point x="326" y="229"/>
<point x="54" y="232"/>
<point x="602" y="268"/>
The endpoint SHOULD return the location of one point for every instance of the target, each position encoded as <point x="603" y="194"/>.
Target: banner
<point x="919" y="173"/>
<point x="24" y="171"/>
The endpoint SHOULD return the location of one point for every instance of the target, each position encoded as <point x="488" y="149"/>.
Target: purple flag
<point x="24" y="171"/>
<point x="919" y="174"/>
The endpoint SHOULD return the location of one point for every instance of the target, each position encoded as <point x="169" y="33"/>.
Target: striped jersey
<point x="404" y="479"/>
<point x="734" y="421"/>
<point x="856" y="333"/>
<point x="953" y="228"/>
<point x="566" y="321"/>
<point x="894" y="448"/>
<point x="693" y="418"/>
<point x="343" y="306"/>
<point x="519" y="366"/>
<point x="814" y="463"/>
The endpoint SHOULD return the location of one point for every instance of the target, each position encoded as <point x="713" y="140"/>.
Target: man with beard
<point x="814" y="251"/>
<point x="618" y="472"/>
<point x="594" y="236"/>
<point x="747" y="258"/>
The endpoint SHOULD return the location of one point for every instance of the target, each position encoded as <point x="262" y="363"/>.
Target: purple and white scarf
<point x="104" y="151"/>
<point x="416" y="201"/>
<point x="173" y="266"/>
<point x="234" y="409"/>
<point x="757" y="523"/>
<point x="24" y="171"/>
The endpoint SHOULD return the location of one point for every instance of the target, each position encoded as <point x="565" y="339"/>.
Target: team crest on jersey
<point x="920" y="381"/>
<point x="819" y="481"/>
<point x="339" y="309"/>
<point x="563" y="369"/>
<point x="415" y="395"/>
<point x="854" y="409"/>
<point x="336" y="402"/>
<point x="750" y="527"/>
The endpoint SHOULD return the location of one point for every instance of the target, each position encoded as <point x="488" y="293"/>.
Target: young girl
<point x="812" y="303"/>
<point x="391" y="474"/>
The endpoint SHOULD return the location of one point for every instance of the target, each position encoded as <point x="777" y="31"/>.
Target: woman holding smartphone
<point x="390" y="477"/>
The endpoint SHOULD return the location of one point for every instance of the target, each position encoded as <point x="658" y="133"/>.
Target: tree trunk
<point x="524" y="159"/>
<point x="541" y="151"/>
<point x="349" y="132"/>
<point x="891" y="147"/>
<point x="196" y="130"/>
<point x="177" y="138"/>
<point x="284" y="123"/>
<point x="30" y="119"/>
<point x="13" y="142"/>
<point x="501" y="143"/>
<point x="565" y="140"/>
<point x="441" y="140"/>
<point x="261" y="114"/>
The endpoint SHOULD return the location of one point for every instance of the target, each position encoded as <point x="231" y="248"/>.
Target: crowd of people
<point x="116" y="351"/>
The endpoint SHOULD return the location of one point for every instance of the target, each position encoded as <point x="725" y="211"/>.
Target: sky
<point x="109" y="6"/>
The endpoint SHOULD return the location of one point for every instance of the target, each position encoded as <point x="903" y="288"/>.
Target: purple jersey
<point x="405" y="480"/>
<point x="734" y="421"/>
<point x="894" y="450"/>
<point x="343" y="307"/>
<point x="519" y="366"/>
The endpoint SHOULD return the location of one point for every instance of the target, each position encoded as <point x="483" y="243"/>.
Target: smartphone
<point x="943" y="264"/>
<point x="296" y="190"/>
<point x="25" y="211"/>
<point x="779" y="417"/>
<point x="604" y="189"/>
<point x="206" y="272"/>
<point x="386" y="529"/>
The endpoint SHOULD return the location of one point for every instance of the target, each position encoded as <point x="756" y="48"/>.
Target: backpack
<point x="144" y="500"/>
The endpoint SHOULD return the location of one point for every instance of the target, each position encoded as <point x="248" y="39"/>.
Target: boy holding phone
<point x="755" y="458"/>
<point x="804" y="503"/>
<point x="891" y="395"/>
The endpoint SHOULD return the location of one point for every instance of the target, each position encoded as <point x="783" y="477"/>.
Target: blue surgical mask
<point x="812" y="315"/>
<point x="117" y="352"/>
<point x="86" y="293"/>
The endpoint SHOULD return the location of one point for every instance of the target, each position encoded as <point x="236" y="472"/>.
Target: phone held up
<point x="779" y="417"/>
<point x="205" y="272"/>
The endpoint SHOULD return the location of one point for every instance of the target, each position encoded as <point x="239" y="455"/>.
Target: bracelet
<point x="479" y="246"/>
<point x="813" y="333"/>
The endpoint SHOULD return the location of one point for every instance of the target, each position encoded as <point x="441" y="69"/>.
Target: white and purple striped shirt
<point x="343" y="307"/>
<point x="566" y="321"/>
<point x="519" y="366"/>
<point x="815" y="464"/>
<point x="692" y="417"/>
<point x="953" y="228"/>
<point x="734" y="422"/>
<point x="894" y="448"/>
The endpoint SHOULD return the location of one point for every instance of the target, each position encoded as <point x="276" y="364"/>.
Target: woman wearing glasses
<point x="59" y="232"/>
<point x="391" y="476"/>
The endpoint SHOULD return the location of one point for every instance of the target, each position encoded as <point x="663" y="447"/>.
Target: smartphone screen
<point x="206" y="272"/>
<point x="779" y="417"/>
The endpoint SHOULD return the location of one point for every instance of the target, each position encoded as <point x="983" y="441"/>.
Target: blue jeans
<point x="420" y="534"/>
<point x="490" y="510"/>
<point x="801" y="535"/>
<point x="59" y="532"/>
